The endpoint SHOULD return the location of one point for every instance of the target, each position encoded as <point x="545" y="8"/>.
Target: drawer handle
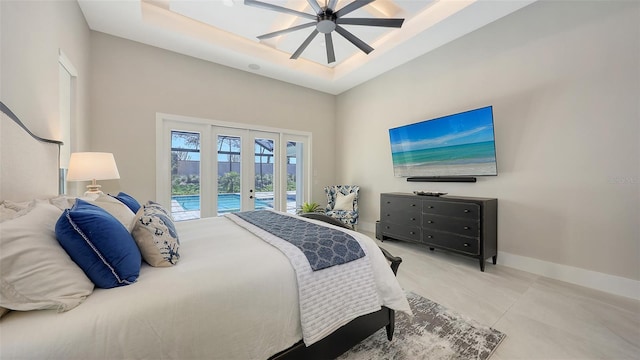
<point x="412" y="219"/>
<point x="388" y="202"/>
<point x="466" y="245"/>
<point x="467" y="210"/>
<point x="412" y="233"/>
<point x="413" y="205"/>
<point x="429" y="222"/>
<point x="430" y="236"/>
<point x="388" y="214"/>
<point x="387" y="227"/>
<point x="429" y="207"/>
<point x="466" y="228"/>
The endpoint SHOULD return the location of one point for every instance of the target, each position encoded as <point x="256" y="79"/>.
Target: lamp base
<point x="93" y="190"/>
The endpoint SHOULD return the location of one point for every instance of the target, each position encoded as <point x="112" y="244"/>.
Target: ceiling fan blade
<point x="285" y="31"/>
<point x="315" y="6"/>
<point x="332" y="4"/>
<point x="354" y="40"/>
<point x="304" y="45"/>
<point x="331" y="55"/>
<point x="357" y="4"/>
<point x="263" y="5"/>
<point x="396" y="23"/>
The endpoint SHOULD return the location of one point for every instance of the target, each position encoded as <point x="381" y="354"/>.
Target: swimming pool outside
<point x="187" y="207"/>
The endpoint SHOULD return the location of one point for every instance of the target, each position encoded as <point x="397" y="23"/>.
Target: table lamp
<point x="84" y="166"/>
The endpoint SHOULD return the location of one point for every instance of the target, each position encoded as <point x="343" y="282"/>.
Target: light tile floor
<point x="543" y="318"/>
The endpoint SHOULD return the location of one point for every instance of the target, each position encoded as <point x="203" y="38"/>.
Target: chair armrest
<point x="395" y="260"/>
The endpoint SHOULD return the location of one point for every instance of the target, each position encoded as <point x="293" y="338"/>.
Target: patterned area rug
<point x="434" y="333"/>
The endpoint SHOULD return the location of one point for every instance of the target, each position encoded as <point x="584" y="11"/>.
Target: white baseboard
<point x="595" y="280"/>
<point x="616" y="285"/>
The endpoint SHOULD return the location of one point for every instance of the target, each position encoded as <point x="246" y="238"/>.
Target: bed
<point x="232" y="295"/>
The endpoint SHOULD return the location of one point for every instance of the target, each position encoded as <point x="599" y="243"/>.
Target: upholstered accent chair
<point x="342" y="203"/>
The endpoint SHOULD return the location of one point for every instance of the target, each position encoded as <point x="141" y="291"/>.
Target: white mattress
<point x="231" y="296"/>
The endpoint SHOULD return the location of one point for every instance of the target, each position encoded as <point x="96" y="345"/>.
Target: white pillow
<point x="18" y="206"/>
<point x="344" y="202"/>
<point x="63" y="202"/>
<point x="35" y="271"/>
<point x="6" y="213"/>
<point x="117" y="209"/>
<point x="11" y="210"/>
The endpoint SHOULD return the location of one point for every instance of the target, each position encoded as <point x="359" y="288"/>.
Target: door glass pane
<point x="185" y="175"/>
<point x="229" y="165"/>
<point x="295" y="187"/>
<point x="264" y="166"/>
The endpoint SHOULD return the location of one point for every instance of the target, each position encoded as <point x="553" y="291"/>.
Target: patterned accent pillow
<point x="99" y="244"/>
<point x="156" y="236"/>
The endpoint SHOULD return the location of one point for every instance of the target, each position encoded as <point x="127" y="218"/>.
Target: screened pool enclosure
<point x="186" y="167"/>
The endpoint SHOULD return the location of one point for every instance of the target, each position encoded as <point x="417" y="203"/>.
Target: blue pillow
<point x="128" y="200"/>
<point x="100" y="245"/>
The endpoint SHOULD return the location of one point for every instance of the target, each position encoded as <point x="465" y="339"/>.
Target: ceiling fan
<point x="326" y="20"/>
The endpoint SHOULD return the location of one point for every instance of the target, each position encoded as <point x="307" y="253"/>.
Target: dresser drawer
<point x="456" y="209"/>
<point x="452" y="242"/>
<point x="400" y="204"/>
<point x="461" y="226"/>
<point x="400" y="211"/>
<point x="401" y="232"/>
<point x="401" y="218"/>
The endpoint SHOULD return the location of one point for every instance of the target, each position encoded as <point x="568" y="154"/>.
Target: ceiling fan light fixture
<point x="326" y="24"/>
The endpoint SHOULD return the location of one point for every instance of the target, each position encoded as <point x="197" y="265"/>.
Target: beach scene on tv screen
<point x="455" y="145"/>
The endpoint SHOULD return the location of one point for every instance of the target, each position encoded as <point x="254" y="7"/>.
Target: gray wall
<point x="31" y="35"/>
<point x="564" y="80"/>
<point x="131" y="82"/>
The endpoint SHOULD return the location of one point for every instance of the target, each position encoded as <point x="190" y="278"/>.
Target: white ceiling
<point x="225" y="31"/>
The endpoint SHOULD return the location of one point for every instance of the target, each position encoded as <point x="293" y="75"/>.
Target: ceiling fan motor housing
<point x="326" y="22"/>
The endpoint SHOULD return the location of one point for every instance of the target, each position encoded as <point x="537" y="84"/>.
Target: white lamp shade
<point x="85" y="166"/>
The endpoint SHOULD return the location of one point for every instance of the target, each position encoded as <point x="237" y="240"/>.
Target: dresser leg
<point x="431" y="248"/>
<point x="482" y="265"/>
<point x="495" y="259"/>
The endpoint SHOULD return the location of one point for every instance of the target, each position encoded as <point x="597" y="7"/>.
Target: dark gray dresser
<point x="465" y="225"/>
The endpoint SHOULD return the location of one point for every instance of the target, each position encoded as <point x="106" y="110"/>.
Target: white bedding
<point x="231" y="296"/>
<point x="328" y="298"/>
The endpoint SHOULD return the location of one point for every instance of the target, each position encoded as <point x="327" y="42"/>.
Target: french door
<point x="246" y="167"/>
<point x="208" y="169"/>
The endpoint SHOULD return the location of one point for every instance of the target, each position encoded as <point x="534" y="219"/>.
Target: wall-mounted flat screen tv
<point x="455" y="145"/>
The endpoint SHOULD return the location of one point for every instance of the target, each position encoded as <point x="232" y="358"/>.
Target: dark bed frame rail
<point x="342" y="339"/>
<point x="350" y="334"/>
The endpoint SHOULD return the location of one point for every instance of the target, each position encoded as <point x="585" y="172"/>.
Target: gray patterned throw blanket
<point x="328" y="298"/>
<point x="323" y="247"/>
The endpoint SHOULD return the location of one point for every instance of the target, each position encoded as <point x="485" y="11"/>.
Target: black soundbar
<point x="441" y="179"/>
